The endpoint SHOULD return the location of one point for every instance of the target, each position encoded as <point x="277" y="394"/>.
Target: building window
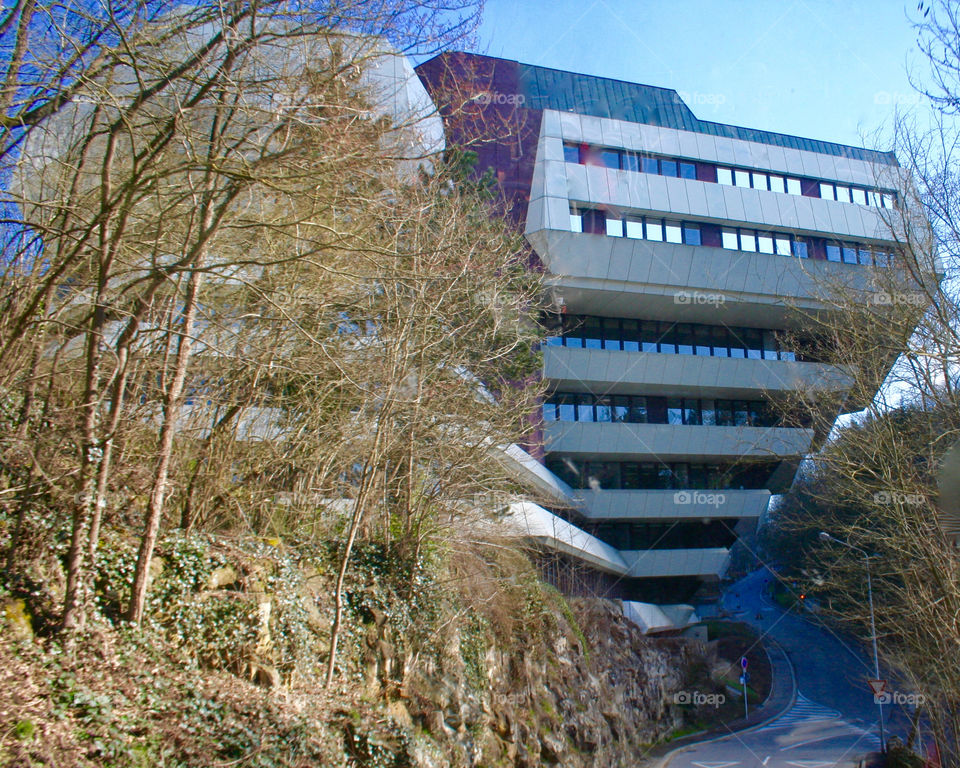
<point x="741" y="178"/>
<point x="571" y="153"/>
<point x="615" y="227"/>
<point x="688" y="171"/>
<point x="777" y="184"/>
<point x="674" y="233"/>
<point x="610" y="158"/>
<point x="691" y="233"/>
<point x="728" y="238"/>
<point x="668" y="168"/>
<point x="826" y="191"/>
<point x="654" y="230"/>
<point x="576" y="221"/>
<point x="635" y="229"/>
<point x="649" y="165"/>
<point x="793" y="187"/>
<point x="725" y="176"/>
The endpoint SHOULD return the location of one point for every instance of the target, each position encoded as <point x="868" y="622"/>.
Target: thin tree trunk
<point x="138" y="592"/>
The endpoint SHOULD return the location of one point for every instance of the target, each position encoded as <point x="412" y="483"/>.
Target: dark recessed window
<point x="649" y="165"/>
<point x="571" y="153"/>
<point x="691" y="233"/>
<point x="668" y="168"/>
<point x="688" y="171"/>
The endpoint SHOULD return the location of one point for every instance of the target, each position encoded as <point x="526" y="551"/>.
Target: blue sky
<point x="815" y="68"/>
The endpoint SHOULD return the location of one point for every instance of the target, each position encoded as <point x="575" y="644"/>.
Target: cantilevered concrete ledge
<point x="672" y="505"/>
<point x="670" y="442"/>
<point x="649" y="373"/>
<point x="676" y="562"/>
<point x="660" y="618"/>
<point x="535" y="523"/>
<point x="588" y="268"/>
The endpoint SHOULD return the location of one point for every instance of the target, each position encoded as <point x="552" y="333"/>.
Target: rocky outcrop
<point x="594" y="697"/>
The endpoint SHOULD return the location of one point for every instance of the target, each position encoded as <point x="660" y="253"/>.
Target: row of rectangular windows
<point x="665" y="337"/>
<point x="641" y="409"/>
<point x="731" y="176"/>
<point x="656" y="229"/>
<point x="697" y="534"/>
<point x="651" y="476"/>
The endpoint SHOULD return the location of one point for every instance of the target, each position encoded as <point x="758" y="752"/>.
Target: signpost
<point x="743" y="681"/>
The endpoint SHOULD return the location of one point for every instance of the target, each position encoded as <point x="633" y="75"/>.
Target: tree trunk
<point x="138" y="592"/>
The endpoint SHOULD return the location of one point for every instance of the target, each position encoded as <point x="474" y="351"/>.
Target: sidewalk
<point x="783" y="693"/>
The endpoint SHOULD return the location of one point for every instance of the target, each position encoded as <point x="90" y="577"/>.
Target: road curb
<point x="663" y="760"/>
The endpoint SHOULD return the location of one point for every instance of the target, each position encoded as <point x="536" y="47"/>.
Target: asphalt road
<point x="834" y="721"/>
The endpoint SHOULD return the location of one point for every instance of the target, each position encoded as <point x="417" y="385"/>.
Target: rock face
<point x="595" y="694"/>
<point x="436" y="667"/>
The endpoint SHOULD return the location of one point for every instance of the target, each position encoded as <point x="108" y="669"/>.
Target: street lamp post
<point x="824" y="536"/>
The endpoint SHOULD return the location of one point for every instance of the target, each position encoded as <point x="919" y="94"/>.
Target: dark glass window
<point x="638" y="410"/>
<point x="697" y="476"/>
<point x="833" y="252"/>
<point x="708" y="414"/>
<point x="630" y="161"/>
<point x="571" y="153"/>
<point x="631" y="335"/>
<point x="668" y="167"/>
<point x="685" y="341"/>
<point x="769" y="345"/>
<point x="604" y="409"/>
<point x="741" y="413"/>
<point x="688" y="171"/>
<point x="566" y="407"/>
<point x="585" y="408"/>
<point x="610" y="158"/>
<point x="592" y="333"/>
<point x="681" y="475"/>
<point x="621" y="408"/>
<point x="668" y="339"/>
<point x="701" y="337"/>
<point x="691" y="233"/>
<point x="611" y="333"/>
<point x="649" y="335"/>
<point x="664" y="476"/>
<point x="753" y="340"/>
<point x="800" y="249"/>
<point x="648" y="475"/>
<point x="720" y="339"/>
<point x="724" y="413"/>
<point x="549" y="411"/>
<point x="674" y="410"/>
<point x="691" y="411"/>
<point x="648" y="164"/>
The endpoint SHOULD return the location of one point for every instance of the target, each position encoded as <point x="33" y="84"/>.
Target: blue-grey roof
<point x="545" y="88"/>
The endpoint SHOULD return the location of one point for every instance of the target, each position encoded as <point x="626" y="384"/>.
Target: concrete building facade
<point x="678" y="252"/>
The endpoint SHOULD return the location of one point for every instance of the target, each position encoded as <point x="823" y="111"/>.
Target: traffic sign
<point x="877" y="686"/>
<point x="743" y="662"/>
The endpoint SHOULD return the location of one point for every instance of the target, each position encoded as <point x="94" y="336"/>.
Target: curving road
<point x="833" y="722"/>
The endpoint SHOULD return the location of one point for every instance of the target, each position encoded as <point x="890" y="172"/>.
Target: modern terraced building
<point x="675" y="248"/>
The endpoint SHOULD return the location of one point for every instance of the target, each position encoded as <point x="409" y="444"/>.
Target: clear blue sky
<point x="815" y="68"/>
